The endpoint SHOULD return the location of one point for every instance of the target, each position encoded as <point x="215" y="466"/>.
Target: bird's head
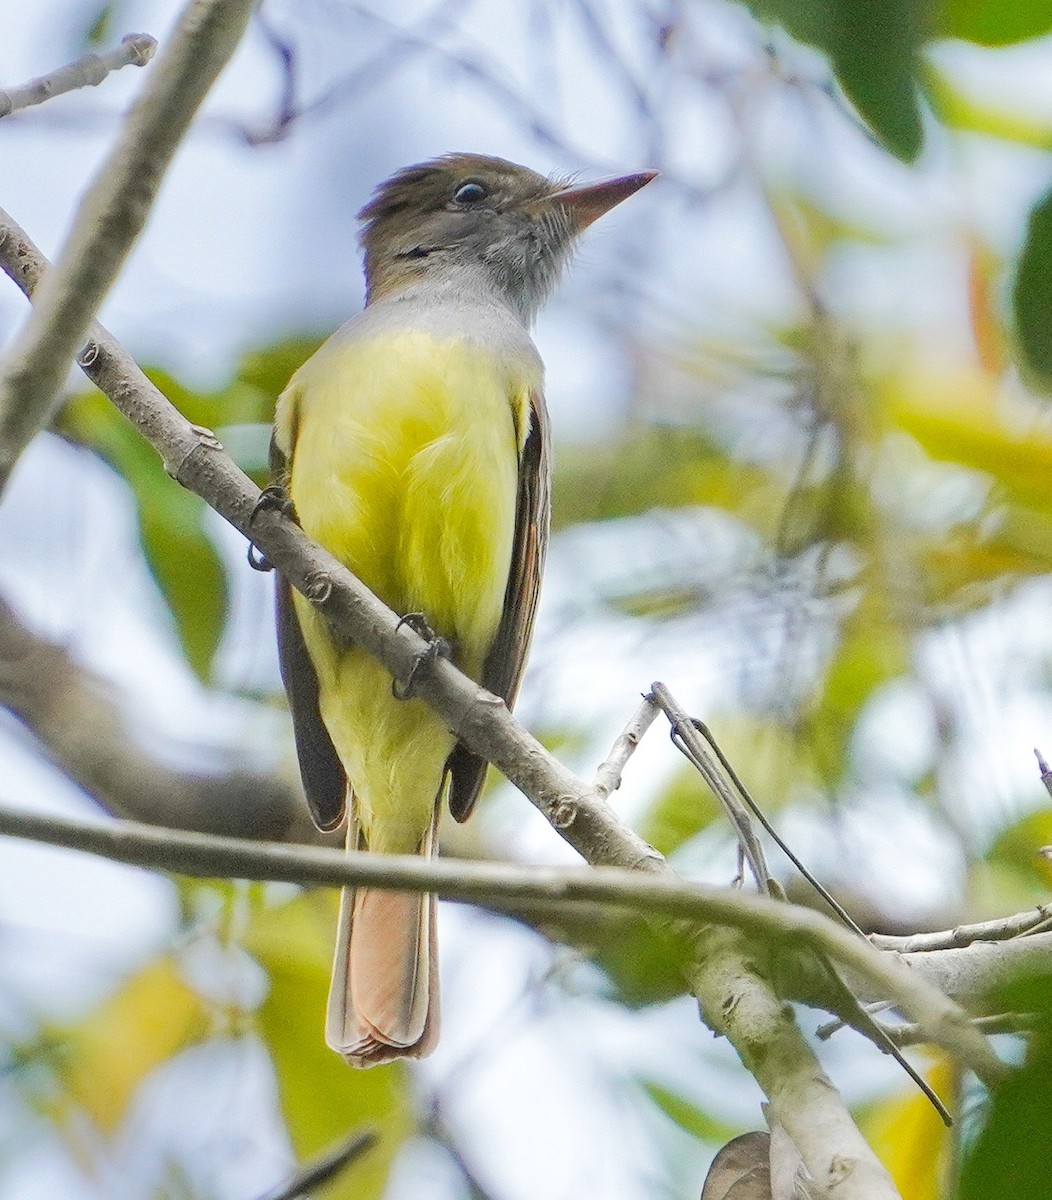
<point x="482" y="222"/>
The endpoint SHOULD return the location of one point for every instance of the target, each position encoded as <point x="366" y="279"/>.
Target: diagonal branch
<point x="90" y="70"/>
<point x="736" y="998"/>
<point x="110" y="218"/>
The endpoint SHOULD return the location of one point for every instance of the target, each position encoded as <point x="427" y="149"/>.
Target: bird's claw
<point x="275" y="499"/>
<point x="437" y="647"/>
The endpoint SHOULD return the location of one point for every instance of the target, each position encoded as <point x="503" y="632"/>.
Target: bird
<point x="414" y="446"/>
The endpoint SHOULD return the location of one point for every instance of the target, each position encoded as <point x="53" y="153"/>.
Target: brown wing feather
<point x="502" y="672"/>
<point x="324" y="781"/>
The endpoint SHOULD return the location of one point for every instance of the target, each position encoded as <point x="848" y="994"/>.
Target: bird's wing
<point x="324" y="780"/>
<point x="504" y="664"/>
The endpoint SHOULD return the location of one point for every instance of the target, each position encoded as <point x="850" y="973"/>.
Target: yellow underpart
<point x="405" y="467"/>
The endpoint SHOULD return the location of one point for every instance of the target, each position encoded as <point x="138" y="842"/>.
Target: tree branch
<point x="135" y="50"/>
<point x="110" y="218"/>
<point x="490" y="884"/>
<point x="735" y="998"/>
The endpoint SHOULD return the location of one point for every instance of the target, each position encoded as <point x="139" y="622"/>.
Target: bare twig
<point x="686" y="738"/>
<point x="773" y="833"/>
<point x="326" y="1167"/>
<point x="135" y="50"/>
<point x="110" y="218"/>
<point x="686" y="732"/>
<point x="608" y="776"/>
<point x="1033" y="920"/>
<point x="909" y="1034"/>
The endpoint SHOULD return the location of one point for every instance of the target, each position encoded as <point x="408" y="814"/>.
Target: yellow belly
<point x="405" y="467"/>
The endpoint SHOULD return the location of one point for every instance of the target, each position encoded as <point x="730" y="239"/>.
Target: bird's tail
<point x="383" y="1002"/>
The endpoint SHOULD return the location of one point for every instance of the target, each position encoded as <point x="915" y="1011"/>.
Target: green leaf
<point x="1032" y="294"/>
<point x="99" y="29"/>
<point x="171" y="524"/>
<point x="322" y="1098"/>
<point x="873" y="650"/>
<point x="1012" y="1153"/>
<point x="683" y="809"/>
<point x="650" y="467"/>
<point x="874" y="50"/>
<point x="687" y="1115"/>
<point x="1017" y="848"/>
<point x="994" y="22"/>
<point x="268" y="368"/>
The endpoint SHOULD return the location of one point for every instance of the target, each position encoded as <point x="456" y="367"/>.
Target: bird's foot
<point x="272" y="498"/>
<point x="437" y="647"/>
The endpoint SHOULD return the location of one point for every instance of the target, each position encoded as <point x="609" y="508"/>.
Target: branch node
<point x="142" y="46"/>
<point x="88" y="355"/>
<point x="563" y="813"/>
<point x="317" y="587"/>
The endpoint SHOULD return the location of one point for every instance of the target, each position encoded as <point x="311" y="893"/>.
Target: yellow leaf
<point x="910" y="1138"/>
<point x="963" y="112"/>
<point x="965" y="419"/>
<point x="153" y="1016"/>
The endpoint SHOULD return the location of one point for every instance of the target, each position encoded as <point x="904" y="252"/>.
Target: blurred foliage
<point x="687" y="1116"/>
<point x="173" y="521"/>
<point x="107" y="1055"/>
<point x="875" y="49"/>
<point x="1032" y="295"/>
<point x="322" y="1099"/>
<point x="1012" y="1155"/>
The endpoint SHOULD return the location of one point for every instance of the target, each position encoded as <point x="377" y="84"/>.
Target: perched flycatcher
<point x="414" y="445"/>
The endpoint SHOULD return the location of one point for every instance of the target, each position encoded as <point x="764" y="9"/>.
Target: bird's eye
<point x="470" y="193"/>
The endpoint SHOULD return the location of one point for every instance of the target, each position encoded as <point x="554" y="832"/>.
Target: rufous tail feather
<point x="383" y="1002"/>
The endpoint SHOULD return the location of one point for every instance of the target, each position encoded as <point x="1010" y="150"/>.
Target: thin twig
<point x="1033" y="920"/>
<point x="685" y="732"/>
<point x="877" y="1032"/>
<point x="608" y="776"/>
<point x="773" y="833"/>
<point x="326" y="1166"/>
<point x="910" y="1034"/>
<point x="826" y="1031"/>
<point x="110" y="218"/>
<point x="686" y="739"/>
<point x="135" y="50"/>
<point x="210" y="856"/>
